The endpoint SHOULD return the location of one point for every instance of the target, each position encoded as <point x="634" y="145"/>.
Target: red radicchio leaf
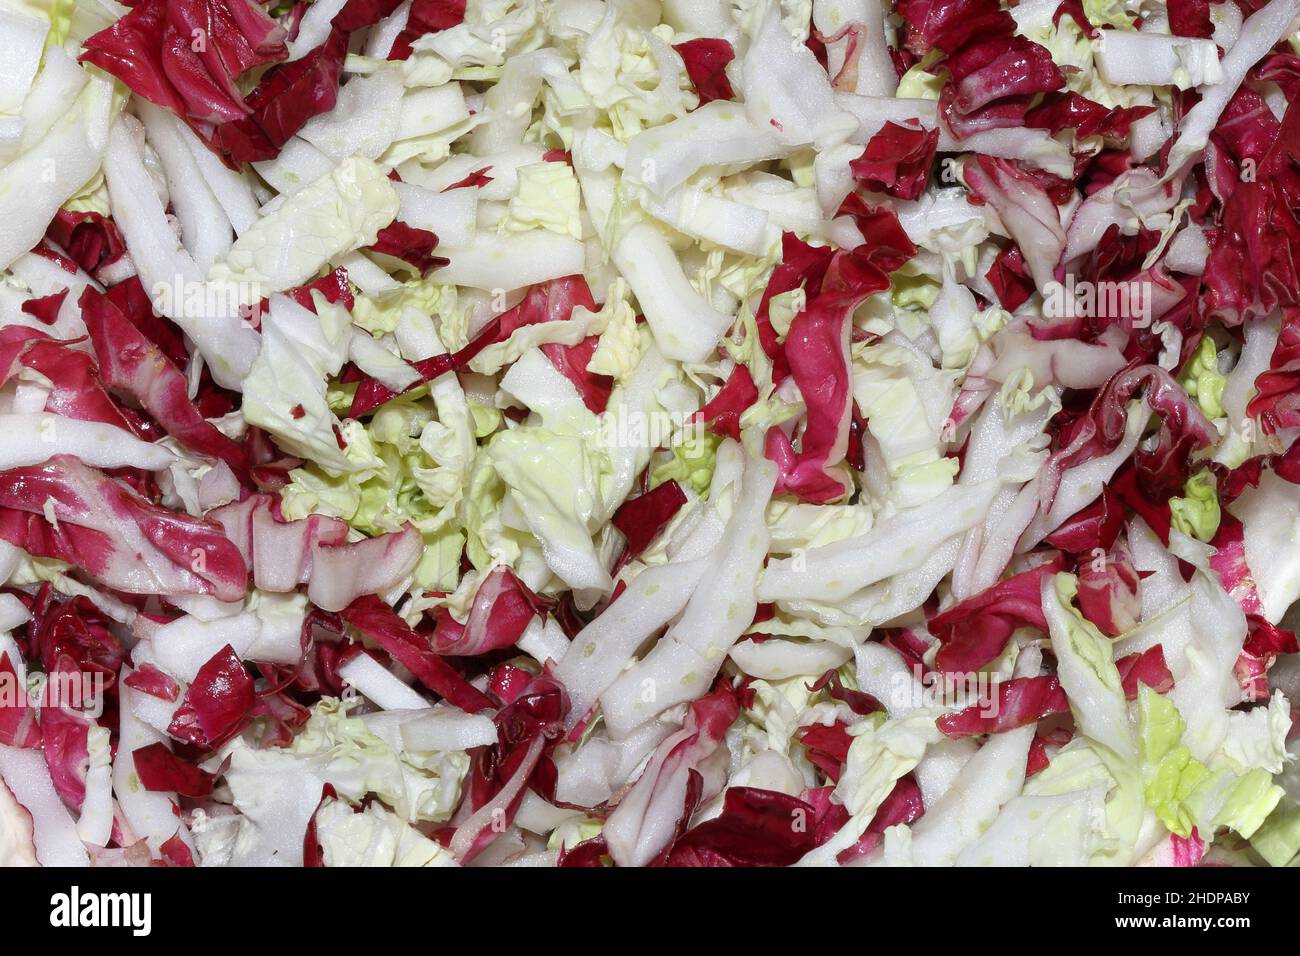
<point x="1187" y="851"/>
<point x="161" y="770"/>
<point x="1153" y="508"/>
<point x="1252" y="267"/>
<point x="313" y="854"/>
<point x="1228" y="562"/>
<point x="63" y="262"/>
<point x="885" y="248"/>
<point x="816" y="349"/>
<point x="1264" y="642"/>
<point x="721" y="414"/>
<point x="1020" y="198"/>
<point x="84" y="547"/>
<point x="282" y="715"/>
<point x="93" y="241"/>
<point x="902" y="60"/>
<point x="1086" y="117"/>
<point x="217" y="702"/>
<point x="334" y="286"/>
<point x="1118" y="257"/>
<point x="1190" y="18"/>
<point x="271" y="467"/>
<point x="1019" y="701"/>
<point x="1058" y="188"/>
<point x="65" y="742"/>
<point x="1277" y="389"/>
<point x="897" y="161"/>
<point x="65" y="728"/>
<point x="528" y="730"/>
<point x="1108" y="591"/>
<point x="133" y="365"/>
<point x="138" y="310"/>
<point x="641" y="519"/>
<point x="948" y="25"/>
<point x="1094" y="528"/>
<point x="670" y="771"/>
<point x="706" y="62"/>
<point x="999" y="68"/>
<point x="388" y="558"/>
<point x="801" y="264"/>
<point x="148" y="679"/>
<point x="476" y="179"/>
<point x="1101" y="429"/>
<point x="1001" y="114"/>
<point x="1282" y="69"/>
<point x="551" y="301"/>
<point x="278" y="552"/>
<point x="911" y="644"/>
<point x="1039" y="757"/>
<point x="571" y="361"/>
<point x="860" y="702"/>
<point x="1074" y="9"/>
<point x="502" y="608"/>
<point x="317" y="672"/>
<point x="186" y="55"/>
<point x="45" y="308"/>
<point x="1010" y="278"/>
<point x="756" y="828"/>
<point x="538" y="708"/>
<point x="994" y="72"/>
<point x="554" y="301"/>
<point x="588" y="853"/>
<point x="1146" y="667"/>
<point x="1287" y="467"/>
<point x="284" y="100"/>
<point x="411" y="245"/>
<point x="363" y="13"/>
<point x="509" y="683"/>
<point x="76" y="391"/>
<point x="826" y="747"/>
<point x="18" y="726"/>
<point x="1233" y="482"/>
<point x="903" y="805"/>
<point x="75" y="629"/>
<point x="427" y="16"/>
<point x="976" y="630"/>
<point x="829" y="817"/>
<point x="175" y="852"/>
<point x="115" y="535"/>
<point x="380" y="623"/>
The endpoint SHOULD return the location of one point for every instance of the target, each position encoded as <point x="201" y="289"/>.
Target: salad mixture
<point x="649" y="432"/>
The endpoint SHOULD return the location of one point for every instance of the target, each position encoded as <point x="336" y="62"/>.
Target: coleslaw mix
<point x="649" y="432"/>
